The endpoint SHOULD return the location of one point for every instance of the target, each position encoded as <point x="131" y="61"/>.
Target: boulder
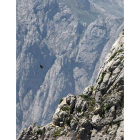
<point x="73" y="124"/>
<point x="78" y="104"/>
<point x="96" y="120"/>
<point x="55" y="120"/>
<point x="88" y="91"/>
<point x="97" y="108"/>
<point x="62" y="115"/>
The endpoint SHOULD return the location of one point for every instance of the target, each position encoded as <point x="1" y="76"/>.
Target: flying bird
<point x="41" y="66"/>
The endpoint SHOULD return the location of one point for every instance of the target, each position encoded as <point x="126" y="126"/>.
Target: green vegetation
<point x="116" y="53"/>
<point x="92" y="88"/>
<point x="118" y="124"/>
<point x="103" y="116"/>
<point x="90" y="108"/>
<point x="92" y="103"/>
<point x="79" y="110"/>
<point x="120" y="50"/>
<point x="57" y="132"/>
<point x="65" y="108"/>
<point x="84" y="96"/>
<point x="87" y="116"/>
<point x="121" y="58"/>
<point x="68" y="122"/>
<point x="60" y="101"/>
<point x="122" y="103"/>
<point x="103" y="75"/>
<point x="103" y="111"/>
<point x="52" y="125"/>
<point x="107" y="106"/>
<point x="123" y="32"/>
<point x="39" y="132"/>
<point x="112" y="56"/>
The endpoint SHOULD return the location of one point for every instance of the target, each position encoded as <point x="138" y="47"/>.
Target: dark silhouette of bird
<point x="41" y="66"/>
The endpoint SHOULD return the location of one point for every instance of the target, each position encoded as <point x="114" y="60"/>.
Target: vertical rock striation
<point x="97" y="114"/>
<point x="70" y="39"/>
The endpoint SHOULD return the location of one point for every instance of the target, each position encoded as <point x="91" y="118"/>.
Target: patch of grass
<point x="52" y="125"/>
<point x="79" y="110"/>
<point x="39" y="132"/>
<point x="103" y="116"/>
<point x="103" y="111"/>
<point x="103" y="75"/>
<point x="122" y="103"/>
<point x="84" y="96"/>
<point x="92" y="88"/>
<point x="90" y="108"/>
<point x="92" y="103"/>
<point x="120" y="50"/>
<point x="118" y="124"/>
<point x="57" y="133"/>
<point x="123" y="32"/>
<point x="60" y="101"/>
<point x="112" y="56"/>
<point x="87" y="117"/>
<point x="121" y="58"/>
<point x="68" y="122"/>
<point x="65" y="108"/>
<point x="107" y="106"/>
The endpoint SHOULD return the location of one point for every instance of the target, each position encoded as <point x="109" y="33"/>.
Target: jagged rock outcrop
<point x="70" y="38"/>
<point x="97" y="114"/>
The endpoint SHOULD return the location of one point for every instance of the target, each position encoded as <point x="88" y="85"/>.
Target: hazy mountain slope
<point x="67" y="38"/>
<point x="96" y="114"/>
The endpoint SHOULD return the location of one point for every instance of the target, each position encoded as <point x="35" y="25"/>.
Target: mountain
<point x="70" y="39"/>
<point x="96" y="114"/>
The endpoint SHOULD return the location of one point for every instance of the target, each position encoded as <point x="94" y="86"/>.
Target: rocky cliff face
<point x="97" y="114"/>
<point x="70" y="38"/>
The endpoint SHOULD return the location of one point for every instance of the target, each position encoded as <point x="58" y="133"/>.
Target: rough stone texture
<point x="70" y="38"/>
<point x="95" y="116"/>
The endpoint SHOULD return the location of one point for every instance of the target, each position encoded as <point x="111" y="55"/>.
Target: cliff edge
<point x="97" y="114"/>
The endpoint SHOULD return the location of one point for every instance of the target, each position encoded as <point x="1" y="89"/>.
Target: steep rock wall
<point x="96" y="114"/>
<point x="70" y="39"/>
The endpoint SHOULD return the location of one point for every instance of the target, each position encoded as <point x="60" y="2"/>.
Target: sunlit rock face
<point x="96" y="114"/>
<point x="70" y="39"/>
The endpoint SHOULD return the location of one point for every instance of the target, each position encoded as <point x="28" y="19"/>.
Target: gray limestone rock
<point x="97" y="115"/>
<point x="71" y="40"/>
<point x="79" y="103"/>
<point x="120" y="132"/>
<point x="88" y="91"/>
